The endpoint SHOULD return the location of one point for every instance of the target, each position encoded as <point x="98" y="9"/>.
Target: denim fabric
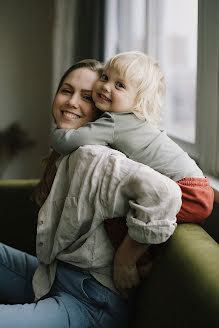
<point x="75" y="300"/>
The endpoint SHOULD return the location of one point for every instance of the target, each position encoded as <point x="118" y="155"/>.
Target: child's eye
<point x="120" y="85"/>
<point x="104" y="77"/>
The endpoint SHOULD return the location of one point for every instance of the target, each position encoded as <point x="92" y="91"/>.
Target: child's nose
<point x="106" y="86"/>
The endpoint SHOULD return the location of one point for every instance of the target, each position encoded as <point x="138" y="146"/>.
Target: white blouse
<point x="92" y="184"/>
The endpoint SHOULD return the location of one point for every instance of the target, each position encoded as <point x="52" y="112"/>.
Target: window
<point x="125" y="26"/>
<point x="183" y="36"/>
<point x="172" y="39"/>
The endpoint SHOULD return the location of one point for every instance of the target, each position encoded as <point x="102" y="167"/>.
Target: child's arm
<point x="99" y="132"/>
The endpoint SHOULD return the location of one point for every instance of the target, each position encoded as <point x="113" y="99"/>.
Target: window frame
<point x="207" y="120"/>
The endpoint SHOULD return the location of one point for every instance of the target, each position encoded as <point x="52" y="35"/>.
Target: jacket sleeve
<point x="153" y="201"/>
<point x="99" y="132"/>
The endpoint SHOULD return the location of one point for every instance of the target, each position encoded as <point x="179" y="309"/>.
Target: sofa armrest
<point x="183" y="287"/>
<point x="18" y="214"/>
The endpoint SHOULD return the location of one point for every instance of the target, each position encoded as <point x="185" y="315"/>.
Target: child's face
<point x="114" y="93"/>
<point x="73" y="105"/>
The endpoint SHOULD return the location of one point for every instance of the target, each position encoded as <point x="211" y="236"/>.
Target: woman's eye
<point x="104" y="77"/>
<point x="120" y="85"/>
<point x="88" y="98"/>
<point x="66" y="91"/>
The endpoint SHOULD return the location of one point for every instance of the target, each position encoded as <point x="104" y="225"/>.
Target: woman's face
<point x="73" y="105"/>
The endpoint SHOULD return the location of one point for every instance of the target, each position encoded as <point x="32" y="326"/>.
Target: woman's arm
<point x="154" y="200"/>
<point x="49" y="171"/>
<point x="126" y="275"/>
<point x="99" y="132"/>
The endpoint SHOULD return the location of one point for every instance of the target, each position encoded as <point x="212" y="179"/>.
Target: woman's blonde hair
<point x="49" y="162"/>
<point x="144" y="71"/>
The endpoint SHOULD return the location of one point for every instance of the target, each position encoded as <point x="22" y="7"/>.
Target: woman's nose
<point x="73" y="101"/>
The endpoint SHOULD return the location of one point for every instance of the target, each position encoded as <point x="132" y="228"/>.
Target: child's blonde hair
<point x="145" y="72"/>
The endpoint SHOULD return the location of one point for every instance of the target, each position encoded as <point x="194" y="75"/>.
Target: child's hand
<point x="125" y="275"/>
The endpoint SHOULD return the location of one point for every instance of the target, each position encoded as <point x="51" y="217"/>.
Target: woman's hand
<point x="144" y="270"/>
<point x="126" y="275"/>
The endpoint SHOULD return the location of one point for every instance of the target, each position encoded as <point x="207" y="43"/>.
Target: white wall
<point x="26" y="77"/>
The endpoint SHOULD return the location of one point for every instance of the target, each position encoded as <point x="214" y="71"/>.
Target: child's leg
<point x="197" y="200"/>
<point x="197" y="204"/>
<point x="16" y="272"/>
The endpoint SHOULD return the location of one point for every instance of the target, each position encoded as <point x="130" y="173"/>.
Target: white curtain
<point x="63" y="38"/>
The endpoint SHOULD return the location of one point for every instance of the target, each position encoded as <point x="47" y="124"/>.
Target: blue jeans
<point x="75" y="300"/>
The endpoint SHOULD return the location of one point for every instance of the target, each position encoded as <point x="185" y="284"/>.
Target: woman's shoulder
<point x="91" y="151"/>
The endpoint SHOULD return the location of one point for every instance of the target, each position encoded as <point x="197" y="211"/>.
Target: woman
<point x="64" y="292"/>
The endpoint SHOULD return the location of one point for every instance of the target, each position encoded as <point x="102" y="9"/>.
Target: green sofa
<point x="183" y="287"/>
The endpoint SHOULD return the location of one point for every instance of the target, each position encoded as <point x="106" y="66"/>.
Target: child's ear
<point x="136" y="106"/>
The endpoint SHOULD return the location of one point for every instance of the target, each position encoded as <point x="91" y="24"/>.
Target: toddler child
<point x="130" y="93"/>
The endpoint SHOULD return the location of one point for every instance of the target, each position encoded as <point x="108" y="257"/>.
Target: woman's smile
<point x="70" y="115"/>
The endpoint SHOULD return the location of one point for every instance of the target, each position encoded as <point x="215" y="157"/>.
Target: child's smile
<point x="102" y="97"/>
